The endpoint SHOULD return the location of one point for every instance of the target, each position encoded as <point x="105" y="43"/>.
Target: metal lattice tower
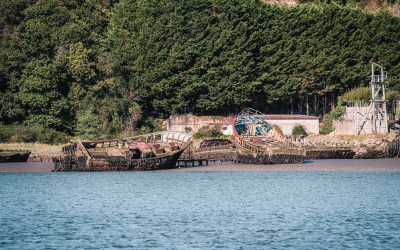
<point x="377" y="106"/>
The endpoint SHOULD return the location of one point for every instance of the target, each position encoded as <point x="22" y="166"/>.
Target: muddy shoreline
<point x="387" y="164"/>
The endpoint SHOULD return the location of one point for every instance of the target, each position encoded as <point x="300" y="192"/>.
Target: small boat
<point x="154" y="151"/>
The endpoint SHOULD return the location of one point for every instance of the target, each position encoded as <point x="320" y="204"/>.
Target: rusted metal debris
<point x="258" y="142"/>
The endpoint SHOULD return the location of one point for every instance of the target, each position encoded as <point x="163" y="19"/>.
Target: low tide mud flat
<point x="389" y="164"/>
<point x="26" y="167"/>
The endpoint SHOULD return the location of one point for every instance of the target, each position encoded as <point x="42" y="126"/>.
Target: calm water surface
<point x="207" y="210"/>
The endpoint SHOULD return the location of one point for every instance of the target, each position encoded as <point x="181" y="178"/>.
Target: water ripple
<point x="206" y="210"/>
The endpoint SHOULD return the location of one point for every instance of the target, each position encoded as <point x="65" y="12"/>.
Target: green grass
<point x="34" y="148"/>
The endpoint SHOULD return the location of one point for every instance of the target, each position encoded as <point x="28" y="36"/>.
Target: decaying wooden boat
<point x="154" y="151"/>
<point x="14" y="155"/>
<point x="258" y="142"/>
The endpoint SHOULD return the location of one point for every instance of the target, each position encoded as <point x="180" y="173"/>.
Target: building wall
<point x="287" y="125"/>
<point x="181" y="123"/>
<point x="351" y="121"/>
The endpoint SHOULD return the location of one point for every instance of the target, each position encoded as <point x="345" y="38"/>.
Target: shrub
<point x="299" y="131"/>
<point x="5" y="134"/>
<point x="89" y="125"/>
<point x="358" y="94"/>
<point x="327" y="125"/>
<point x="339" y="110"/>
<point x="152" y="125"/>
<point x="208" y="132"/>
<point x="32" y="134"/>
<point x="336" y="114"/>
<point x="392" y="96"/>
<point x="363" y="94"/>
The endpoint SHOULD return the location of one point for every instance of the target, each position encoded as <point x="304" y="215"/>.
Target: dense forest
<point x="97" y="68"/>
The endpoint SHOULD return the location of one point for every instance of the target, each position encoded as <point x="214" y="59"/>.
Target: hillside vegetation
<point x="97" y="68"/>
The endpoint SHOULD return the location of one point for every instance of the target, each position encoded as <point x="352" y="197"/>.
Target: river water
<point x="200" y="210"/>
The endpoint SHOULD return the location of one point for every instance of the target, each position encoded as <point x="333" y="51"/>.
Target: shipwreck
<point x="153" y="151"/>
<point x="258" y="142"/>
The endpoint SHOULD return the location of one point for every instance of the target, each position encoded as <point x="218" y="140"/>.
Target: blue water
<point x="206" y="210"/>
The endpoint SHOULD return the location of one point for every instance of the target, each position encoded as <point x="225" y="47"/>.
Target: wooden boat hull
<point x="72" y="163"/>
<point x="14" y="156"/>
<point x="122" y="154"/>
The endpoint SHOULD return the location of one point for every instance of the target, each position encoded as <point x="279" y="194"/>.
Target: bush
<point x="359" y="94"/>
<point x="5" y="133"/>
<point x="89" y="125"/>
<point x="363" y="94"/>
<point x="327" y="125"/>
<point x="208" y="132"/>
<point x="339" y="110"/>
<point x="392" y="96"/>
<point x="32" y="134"/>
<point x="336" y="114"/>
<point x="150" y="125"/>
<point x="299" y="131"/>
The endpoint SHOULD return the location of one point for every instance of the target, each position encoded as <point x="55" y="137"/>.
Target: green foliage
<point x="391" y="97"/>
<point x="339" y="110"/>
<point x="103" y="68"/>
<point x="358" y="94"/>
<point x="336" y="114"/>
<point x="363" y="94"/>
<point x="31" y="134"/>
<point x="89" y="125"/>
<point x="327" y="125"/>
<point x="150" y="125"/>
<point x="208" y="132"/>
<point x="48" y="60"/>
<point x="245" y="53"/>
<point x="298" y="131"/>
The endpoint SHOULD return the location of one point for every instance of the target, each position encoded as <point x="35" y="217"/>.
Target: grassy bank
<point x="349" y="138"/>
<point x="34" y="148"/>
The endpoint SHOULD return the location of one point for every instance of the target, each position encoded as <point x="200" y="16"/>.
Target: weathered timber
<point x="154" y="151"/>
<point x="207" y="143"/>
<point x="14" y="156"/>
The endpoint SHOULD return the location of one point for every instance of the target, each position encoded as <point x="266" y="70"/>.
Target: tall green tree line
<point x="96" y="66"/>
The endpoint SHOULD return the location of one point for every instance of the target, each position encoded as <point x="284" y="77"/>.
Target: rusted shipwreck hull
<point x="154" y="151"/>
<point x="258" y="142"/>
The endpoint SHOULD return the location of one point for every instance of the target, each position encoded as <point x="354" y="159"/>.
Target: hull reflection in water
<point x="154" y="151"/>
